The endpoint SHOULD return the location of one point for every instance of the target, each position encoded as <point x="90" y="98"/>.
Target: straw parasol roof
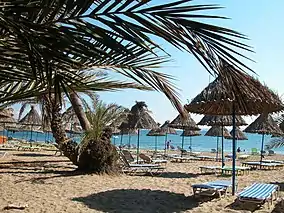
<point x="188" y="133"/>
<point x="239" y="134"/>
<point x="216" y="131"/>
<point x="31" y="118"/>
<point x="7" y="112"/>
<point x="168" y="129"/>
<point x="139" y="118"/>
<point x="235" y="89"/>
<point x="219" y="120"/>
<point x="264" y="124"/>
<point x="179" y="123"/>
<point x="156" y="132"/>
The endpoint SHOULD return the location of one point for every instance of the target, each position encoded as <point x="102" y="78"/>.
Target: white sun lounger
<point x="212" y="188"/>
<point x="259" y="193"/>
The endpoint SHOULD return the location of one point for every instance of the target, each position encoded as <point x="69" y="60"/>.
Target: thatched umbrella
<point x="157" y="132"/>
<point x="168" y="130"/>
<point x="190" y="134"/>
<point x="234" y="93"/>
<point x="221" y="120"/>
<point x="32" y="118"/>
<point x="139" y="118"/>
<point x="6" y="117"/>
<point x="265" y="125"/>
<point x="217" y="131"/>
<point x="239" y="134"/>
<point x="188" y="124"/>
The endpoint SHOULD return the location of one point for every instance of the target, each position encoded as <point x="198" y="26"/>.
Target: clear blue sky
<point x="260" y="20"/>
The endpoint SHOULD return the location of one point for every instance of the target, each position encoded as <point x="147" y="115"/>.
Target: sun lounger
<point x="147" y="159"/>
<point x="254" y="151"/>
<point x="129" y="157"/>
<point x="183" y="159"/>
<point x="219" y="187"/>
<point x="140" y="168"/>
<point x="271" y="152"/>
<point x="29" y="148"/>
<point x="205" y="157"/>
<point x="259" y="193"/>
<point x="240" y="170"/>
<point x="243" y="157"/>
<point x="262" y="165"/>
<point x="2" y="154"/>
<point x="210" y="169"/>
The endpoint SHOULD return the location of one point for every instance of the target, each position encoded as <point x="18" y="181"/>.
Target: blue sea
<point x="198" y="143"/>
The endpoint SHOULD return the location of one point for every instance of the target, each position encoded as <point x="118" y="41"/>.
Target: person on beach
<point x="168" y="144"/>
<point x="238" y="149"/>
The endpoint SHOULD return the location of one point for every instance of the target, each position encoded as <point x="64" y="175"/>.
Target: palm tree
<point x="51" y="48"/>
<point x="91" y="153"/>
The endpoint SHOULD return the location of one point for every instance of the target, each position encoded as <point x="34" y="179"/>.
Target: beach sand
<point x="48" y="183"/>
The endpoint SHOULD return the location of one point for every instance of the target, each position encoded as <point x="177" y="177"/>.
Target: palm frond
<point x="275" y="143"/>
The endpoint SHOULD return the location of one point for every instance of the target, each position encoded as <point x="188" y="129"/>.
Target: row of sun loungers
<point x="257" y="193"/>
<point x="240" y="170"/>
<point x="135" y="168"/>
<point x="263" y="165"/>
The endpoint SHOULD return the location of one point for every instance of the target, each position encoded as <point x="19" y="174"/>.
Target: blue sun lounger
<point x="212" y="188"/>
<point x="259" y="193"/>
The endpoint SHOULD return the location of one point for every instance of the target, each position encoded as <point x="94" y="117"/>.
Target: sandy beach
<point x="48" y="183"/>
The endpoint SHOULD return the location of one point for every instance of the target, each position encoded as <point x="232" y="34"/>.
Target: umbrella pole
<point x="114" y="140"/>
<point x="217" y="148"/>
<point x="129" y="140"/>
<point x="121" y="137"/>
<point x="223" y="164"/>
<point x="156" y="143"/>
<point x="234" y="152"/>
<point x="190" y="143"/>
<point x="138" y="144"/>
<point x="262" y="147"/>
<point x="31" y="132"/>
<point x="166" y="138"/>
<point x="182" y="142"/>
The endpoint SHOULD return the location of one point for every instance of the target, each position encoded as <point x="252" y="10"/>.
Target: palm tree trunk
<point x="69" y="148"/>
<point x="79" y="111"/>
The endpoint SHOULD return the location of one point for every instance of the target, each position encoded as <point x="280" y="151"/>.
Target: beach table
<point x="262" y="165"/>
<point x="183" y="159"/>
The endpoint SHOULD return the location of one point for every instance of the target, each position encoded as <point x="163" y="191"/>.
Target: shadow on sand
<point x="243" y="206"/>
<point x="134" y="200"/>
<point x="177" y="175"/>
<point x="280" y="184"/>
<point x="34" y="155"/>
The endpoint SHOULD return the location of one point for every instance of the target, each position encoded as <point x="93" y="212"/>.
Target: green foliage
<point x="101" y="116"/>
<point x="59" y="46"/>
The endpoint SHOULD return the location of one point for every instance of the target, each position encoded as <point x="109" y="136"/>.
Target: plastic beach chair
<point x="212" y="188"/>
<point x="254" y="151"/>
<point x="138" y="168"/>
<point x="259" y="193"/>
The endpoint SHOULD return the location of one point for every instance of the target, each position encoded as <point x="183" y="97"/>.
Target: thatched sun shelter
<point x="31" y="120"/>
<point x="221" y="120"/>
<point x="190" y="134"/>
<point x="184" y="124"/>
<point x="265" y="125"/>
<point x="168" y="130"/>
<point x="234" y="93"/>
<point x="217" y="131"/>
<point x="239" y="134"/>
<point x="157" y="132"/>
<point x="139" y="118"/>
